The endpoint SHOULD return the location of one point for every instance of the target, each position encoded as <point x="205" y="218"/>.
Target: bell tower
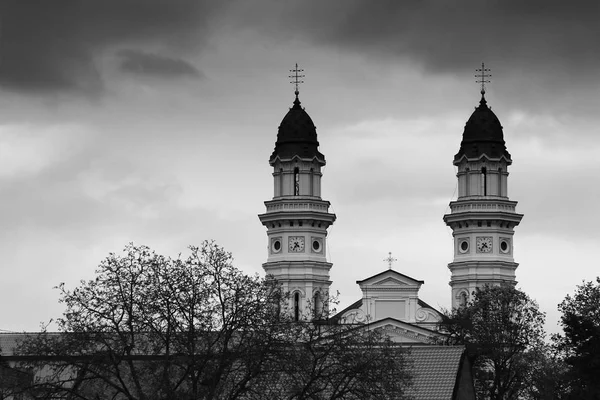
<point x="482" y="218"/>
<point x="297" y="217"/>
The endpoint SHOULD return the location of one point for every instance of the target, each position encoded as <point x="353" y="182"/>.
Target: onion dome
<point x="483" y="135"/>
<point x="297" y="136"/>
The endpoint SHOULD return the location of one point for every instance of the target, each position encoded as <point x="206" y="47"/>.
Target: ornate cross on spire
<point x="390" y="260"/>
<point x="482" y="74"/>
<point x="297" y="78"/>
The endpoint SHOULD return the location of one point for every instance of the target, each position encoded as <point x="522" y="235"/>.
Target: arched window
<point x="281" y="181"/>
<point x="467" y="182"/>
<point x="296" y="306"/>
<point x="312" y="182"/>
<point x="499" y="181"/>
<point x="484" y="181"/>
<point x="462" y="302"/>
<point x="317" y="305"/>
<point x="296" y="182"/>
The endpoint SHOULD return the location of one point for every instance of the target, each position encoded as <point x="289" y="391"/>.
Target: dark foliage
<point x="581" y="340"/>
<point x="150" y="328"/>
<point x="502" y="329"/>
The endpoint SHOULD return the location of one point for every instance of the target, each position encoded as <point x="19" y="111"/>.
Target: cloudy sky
<point x="152" y="121"/>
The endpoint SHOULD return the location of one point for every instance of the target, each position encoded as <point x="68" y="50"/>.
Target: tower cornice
<point x="306" y="215"/>
<point x="494" y="263"/>
<point x="483" y="215"/>
<point x="474" y="208"/>
<point x="274" y="160"/>
<point x="297" y="204"/>
<point x="482" y="158"/>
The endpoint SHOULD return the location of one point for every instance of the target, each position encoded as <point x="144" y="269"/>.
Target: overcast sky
<point x="152" y="121"/>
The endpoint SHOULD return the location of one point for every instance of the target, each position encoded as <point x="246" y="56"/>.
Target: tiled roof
<point x="435" y="371"/>
<point x="9" y="341"/>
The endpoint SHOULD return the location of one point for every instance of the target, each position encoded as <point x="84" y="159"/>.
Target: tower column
<point x="297" y="217"/>
<point x="482" y="218"/>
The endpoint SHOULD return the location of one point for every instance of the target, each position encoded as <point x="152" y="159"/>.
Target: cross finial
<point x="482" y="74"/>
<point x="297" y="78"/>
<point x="390" y="260"/>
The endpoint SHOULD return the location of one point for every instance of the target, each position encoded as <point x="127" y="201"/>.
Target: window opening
<point x="296" y="306"/>
<point x="499" y="181"/>
<point x="296" y="182"/>
<point x="484" y="180"/>
<point x="463" y="299"/>
<point x="281" y="181"/>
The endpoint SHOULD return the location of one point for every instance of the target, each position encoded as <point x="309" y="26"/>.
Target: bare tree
<point x="336" y="362"/>
<point x="150" y="327"/>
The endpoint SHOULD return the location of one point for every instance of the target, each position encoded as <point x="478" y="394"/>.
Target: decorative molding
<point x="397" y="331"/>
<point x="392" y="289"/>
<point x="357" y="316"/>
<point x="421" y="314"/>
<point x="391" y="279"/>
<point x="457" y="207"/>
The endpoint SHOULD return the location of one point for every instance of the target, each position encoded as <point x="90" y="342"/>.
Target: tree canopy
<point x="501" y="327"/>
<point x="580" y="342"/>
<point x="151" y="327"/>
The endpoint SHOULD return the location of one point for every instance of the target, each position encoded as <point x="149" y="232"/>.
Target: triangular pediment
<point x="403" y="332"/>
<point x="390" y="278"/>
<point x="390" y="281"/>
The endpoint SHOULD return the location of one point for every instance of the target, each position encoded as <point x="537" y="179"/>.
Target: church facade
<point x="482" y="219"/>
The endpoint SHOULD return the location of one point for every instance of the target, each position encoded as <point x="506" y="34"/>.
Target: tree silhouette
<point x="151" y="327"/>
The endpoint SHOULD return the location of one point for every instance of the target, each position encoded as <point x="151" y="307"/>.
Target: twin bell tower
<point x="297" y="218"/>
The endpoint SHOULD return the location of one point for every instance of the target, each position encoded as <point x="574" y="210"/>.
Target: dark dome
<point x="482" y="135"/>
<point x="297" y="136"/>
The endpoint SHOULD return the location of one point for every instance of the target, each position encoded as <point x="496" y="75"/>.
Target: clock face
<point x="296" y="244"/>
<point x="484" y="244"/>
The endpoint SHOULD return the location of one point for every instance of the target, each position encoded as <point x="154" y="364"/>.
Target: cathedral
<point x="482" y="219"/>
<point x="297" y="219"/>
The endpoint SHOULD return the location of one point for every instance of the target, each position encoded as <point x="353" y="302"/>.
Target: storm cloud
<point x="154" y="64"/>
<point x="450" y="36"/>
<point x="49" y="46"/>
<point x="55" y="45"/>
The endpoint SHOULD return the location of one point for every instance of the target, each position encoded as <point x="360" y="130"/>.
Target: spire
<point x="483" y="132"/>
<point x="297" y="134"/>
<point x="297" y="80"/>
<point x="482" y="75"/>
